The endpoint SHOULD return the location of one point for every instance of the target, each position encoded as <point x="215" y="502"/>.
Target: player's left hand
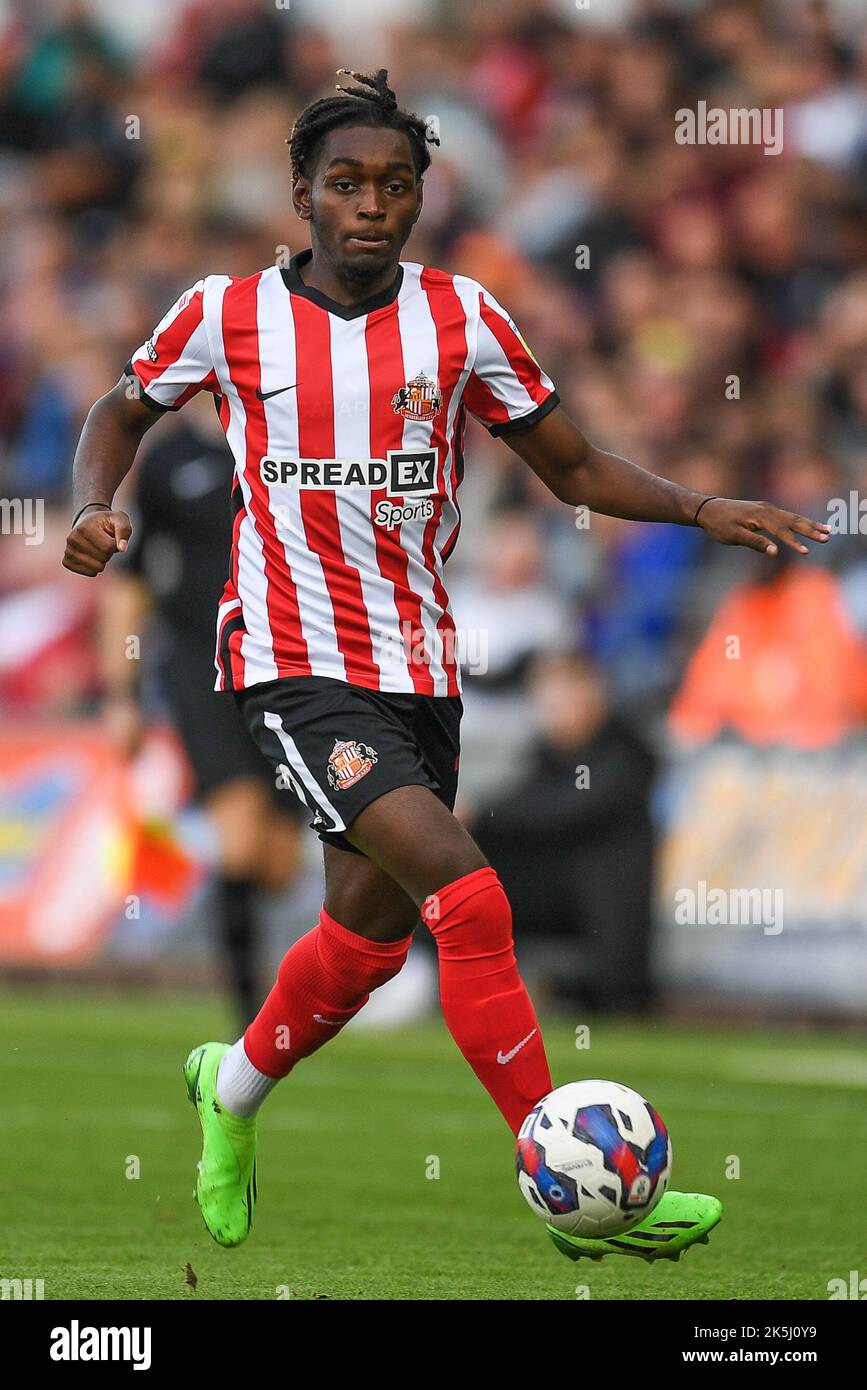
<point x="759" y="525"/>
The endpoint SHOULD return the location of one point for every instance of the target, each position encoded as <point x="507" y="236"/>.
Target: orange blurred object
<point x="780" y="663"/>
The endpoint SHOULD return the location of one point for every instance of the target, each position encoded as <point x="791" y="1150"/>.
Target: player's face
<point x="362" y="201"/>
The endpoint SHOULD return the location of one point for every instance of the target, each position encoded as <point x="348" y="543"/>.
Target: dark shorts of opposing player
<point x="338" y="747"/>
<point x="218" y="746"/>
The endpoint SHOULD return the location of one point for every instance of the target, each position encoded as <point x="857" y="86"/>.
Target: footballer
<point x="343" y="381"/>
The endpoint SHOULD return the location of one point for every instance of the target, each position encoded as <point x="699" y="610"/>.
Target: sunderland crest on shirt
<point x="348" y="762"/>
<point x="419" y="399"/>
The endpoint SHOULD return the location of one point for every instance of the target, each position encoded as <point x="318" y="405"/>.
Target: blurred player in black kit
<point x="174" y="572"/>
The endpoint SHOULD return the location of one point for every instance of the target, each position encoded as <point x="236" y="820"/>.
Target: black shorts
<point x="340" y="746"/>
<point x="210" y="726"/>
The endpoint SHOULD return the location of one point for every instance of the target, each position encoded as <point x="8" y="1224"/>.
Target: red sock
<point x="322" y="983"/>
<point x="485" y="1003"/>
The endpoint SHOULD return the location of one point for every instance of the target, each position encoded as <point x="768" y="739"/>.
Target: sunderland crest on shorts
<point x="348" y="762"/>
<point x="419" y="399"/>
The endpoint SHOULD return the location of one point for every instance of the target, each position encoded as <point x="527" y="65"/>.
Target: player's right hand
<point x="94" y="539"/>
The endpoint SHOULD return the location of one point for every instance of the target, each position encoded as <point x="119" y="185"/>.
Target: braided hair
<point x="371" y="104"/>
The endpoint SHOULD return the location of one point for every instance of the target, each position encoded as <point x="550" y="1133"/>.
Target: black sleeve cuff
<point x="526" y="422"/>
<point x="130" y="371"/>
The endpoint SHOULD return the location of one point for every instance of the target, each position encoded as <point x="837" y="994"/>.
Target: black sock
<point x="238" y="942"/>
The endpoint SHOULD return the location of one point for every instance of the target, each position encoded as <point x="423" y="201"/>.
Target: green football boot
<point x="679" y="1220"/>
<point x="226" y="1182"/>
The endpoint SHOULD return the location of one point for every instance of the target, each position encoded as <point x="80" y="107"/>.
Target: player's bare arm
<point x="113" y="430"/>
<point x="582" y="475"/>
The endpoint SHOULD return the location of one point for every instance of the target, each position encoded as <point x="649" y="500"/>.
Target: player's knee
<point x="383" y="922"/>
<point x="348" y="957"/>
<point x="392" y="929"/>
<point x="444" y="864"/>
<point x="471" y="915"/>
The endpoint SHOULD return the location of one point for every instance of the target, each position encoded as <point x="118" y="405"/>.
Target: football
<point x="593" y="1158"/>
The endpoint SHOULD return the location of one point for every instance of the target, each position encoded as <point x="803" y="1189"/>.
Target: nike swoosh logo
<point x="504" y="1057"/>
<point x="266" y="395"/>
<point x="332" y="1023"/>
<point x="196" y="1092"/>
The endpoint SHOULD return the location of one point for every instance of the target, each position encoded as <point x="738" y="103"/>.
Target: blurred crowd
<point x="701" y="308"/>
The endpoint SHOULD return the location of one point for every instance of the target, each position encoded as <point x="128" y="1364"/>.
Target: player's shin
<point x="323" y="982"/>
<point x="484" y="1000"/>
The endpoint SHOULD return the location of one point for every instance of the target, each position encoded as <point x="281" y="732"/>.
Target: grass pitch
<point x="92" y="1094"/>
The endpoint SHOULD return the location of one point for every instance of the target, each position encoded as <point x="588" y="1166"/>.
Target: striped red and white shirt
<point x="346" y="424"/>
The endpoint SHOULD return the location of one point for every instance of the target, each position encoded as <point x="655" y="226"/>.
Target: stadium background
<point x="647" y="277"/>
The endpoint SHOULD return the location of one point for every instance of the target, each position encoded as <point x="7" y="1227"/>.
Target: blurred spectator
<point x="780" y="663"/>
<point x="505" y="612"/>
<point x="227" y="46"/>
<point x="572" y="840"/>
